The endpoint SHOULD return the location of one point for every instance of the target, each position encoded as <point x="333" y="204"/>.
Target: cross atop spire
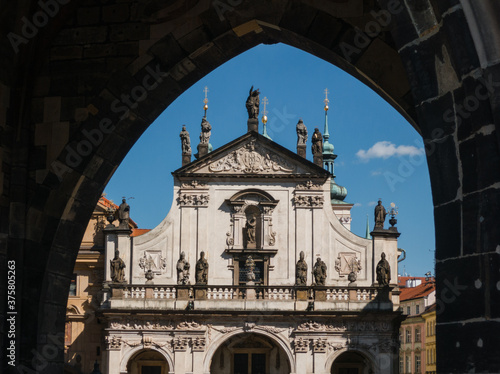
<point x="264" y="117"/>
<point x="205" y="101"/>
<point x="326" y="101"/>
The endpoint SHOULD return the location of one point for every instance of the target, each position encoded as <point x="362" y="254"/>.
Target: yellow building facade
<point x="430" y="339"/>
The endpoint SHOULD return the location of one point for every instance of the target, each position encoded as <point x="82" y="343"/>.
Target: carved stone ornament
<point x="252" y="159"/>
<point x="154" y="261"/>
<point x="335" y="346"/>
<point x="191" y="325"/>
<point x="347" y="263"/>
<point x="133" y="324"/>
<point x="308" y="201"/>
<point x="185" y="199"/>
<point x="194" y="184"/>
<point x="345" y="325"/>
<point x="199" y="344"/>
<point x="320" y="345"/>
<point x="301" y="345"/>
<point x="113" y="342"/>
<point x="272" y="238"/>
<point x="229" y="239"/>
<point x="181" y="344"/>
<point x="309" y="185"/>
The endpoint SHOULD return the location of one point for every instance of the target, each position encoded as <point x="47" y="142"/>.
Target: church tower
<point x="337" y="193"/>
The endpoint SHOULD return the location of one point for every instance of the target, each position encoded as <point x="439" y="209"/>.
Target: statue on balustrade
<point x="319" y="272"/>
<point x="124" y="213"/>
<point x="183" y="270"/>
<point x="117" y="268"/>
<point x="185" y="141"/>
<point x="301" y="271"/>
<point x="383" y="271"/>
<point x="202" y="270"/>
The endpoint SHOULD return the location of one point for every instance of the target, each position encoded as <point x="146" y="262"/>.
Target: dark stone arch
<point x="425" y="63"/>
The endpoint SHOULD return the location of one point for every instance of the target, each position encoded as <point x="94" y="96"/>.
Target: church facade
<point x="251" y="271"/>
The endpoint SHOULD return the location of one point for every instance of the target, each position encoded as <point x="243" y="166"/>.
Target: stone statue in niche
<point x="202" y="270"/>
<point x="383" y="271"/>
<point x="206" y="131"/>
<point x="250" y="265"/>
<point x="252" y="104"/>
<point x="124" y="213"/>
<point x="319" y="272"/>
<point x="117" y="268"/>
<point x="301" y="271"/>
<point x="251" y="230"/>
<point x="185" y="141"/>
<point x="183" y="270"/>
<point x="317" y="143"/>
<point x="380" y="214"/>
<point x="301" y="133"/>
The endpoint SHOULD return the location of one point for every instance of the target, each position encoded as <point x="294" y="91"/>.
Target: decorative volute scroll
<point x="251" y="224"/>
<point x="252" y="159"/>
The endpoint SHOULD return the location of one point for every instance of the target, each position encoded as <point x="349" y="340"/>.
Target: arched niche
<point x="251" y="232"/>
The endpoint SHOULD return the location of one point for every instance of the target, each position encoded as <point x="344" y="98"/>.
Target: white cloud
<point x="372" y="203"/>
<point x="386" y="149"/>
<point x="357" y="204"/>
<point x="374" y="173"/>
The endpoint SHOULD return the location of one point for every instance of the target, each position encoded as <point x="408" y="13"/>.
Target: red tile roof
<point x="139" y="232"/>
<point x="422" y="290"/>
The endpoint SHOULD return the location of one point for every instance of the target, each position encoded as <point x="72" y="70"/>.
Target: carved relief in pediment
<point x="252" y="159"/>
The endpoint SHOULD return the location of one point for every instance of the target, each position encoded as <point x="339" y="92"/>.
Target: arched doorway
<point x="249" y="354"/>
<point x="147" y="362"/>
<point x="351" y="363"/>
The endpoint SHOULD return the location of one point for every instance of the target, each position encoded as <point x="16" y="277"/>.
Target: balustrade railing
<point x="274" y="293"/>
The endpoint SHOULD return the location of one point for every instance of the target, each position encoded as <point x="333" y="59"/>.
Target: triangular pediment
<point x="252" y="155"/>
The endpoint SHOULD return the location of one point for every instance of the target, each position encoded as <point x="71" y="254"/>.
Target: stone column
<point x="117" y="239"/>
<point x="113" y="354"/>
<point x="319" y="355"/>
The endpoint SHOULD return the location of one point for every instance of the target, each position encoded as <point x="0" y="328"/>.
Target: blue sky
<point x="380" y="155"/>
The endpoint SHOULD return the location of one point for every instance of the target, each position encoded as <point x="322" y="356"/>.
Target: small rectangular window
<point x="417" y="309"/>
<point x="417" y="334"/>
<point x="417" y="363"/>
<point x="408" y="336"/>
<point x="72" y="286"/>
<point x="408" y="310"/>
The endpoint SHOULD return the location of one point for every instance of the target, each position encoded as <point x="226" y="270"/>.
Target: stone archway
<point x="351" y="362"/>
<point x="435" y="64"/>
<point x="249" y="353"/>
<point x="147" y="362"/>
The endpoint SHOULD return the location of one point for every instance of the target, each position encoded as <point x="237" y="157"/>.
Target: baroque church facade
<point x="253" y="270"/>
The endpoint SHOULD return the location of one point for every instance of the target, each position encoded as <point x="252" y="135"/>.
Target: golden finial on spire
<point x="326" y="99"/>
<point x="205" y="107"/>
<point x="264" y="112"/>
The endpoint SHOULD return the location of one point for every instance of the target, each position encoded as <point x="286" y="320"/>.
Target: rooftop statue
<point x="206" y="131"/>
<point x="185" y="141"/>
<point x="380" y="214"/>
<point x="301" y="133"/>
<point x="252" y="104"/>
<point x="124" y="213"/>
<point x="317" y="143"/>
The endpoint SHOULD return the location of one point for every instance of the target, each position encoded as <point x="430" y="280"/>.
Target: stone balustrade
<point x="223" y="293"/>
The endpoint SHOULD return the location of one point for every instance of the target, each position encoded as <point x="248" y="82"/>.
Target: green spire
<point x="367" y="235"/>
